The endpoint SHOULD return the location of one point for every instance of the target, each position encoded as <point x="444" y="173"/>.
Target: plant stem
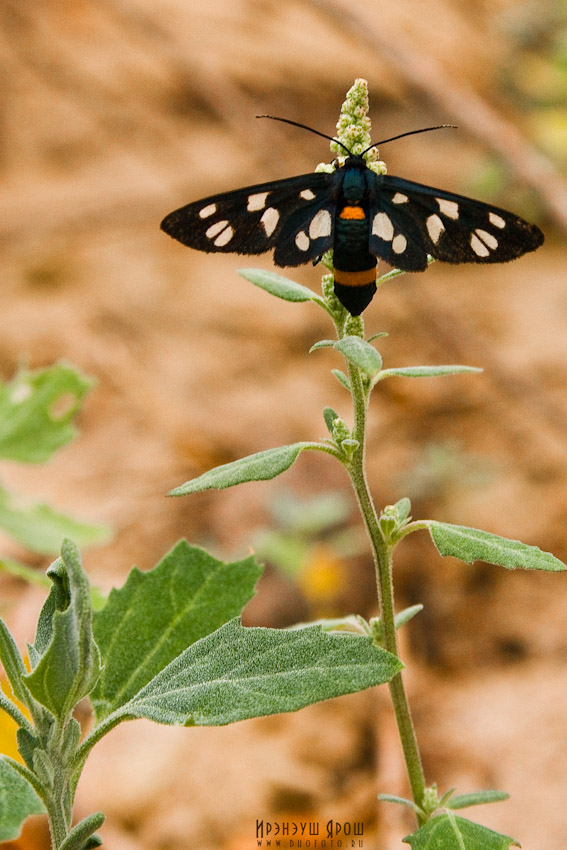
<point x="382" y="553"/>
<point x="58" y="824"/>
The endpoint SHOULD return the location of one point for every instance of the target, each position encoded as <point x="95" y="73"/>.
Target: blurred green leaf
<point x="42" y="529"/>
<point x="36" y="409"/>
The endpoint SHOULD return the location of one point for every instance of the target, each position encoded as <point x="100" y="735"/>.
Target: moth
<point x="361" y="215"/>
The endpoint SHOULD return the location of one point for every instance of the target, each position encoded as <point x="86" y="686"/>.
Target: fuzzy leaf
<point x="257" y="467"/>
<point x="18" y="801"/>
<point x="36" y="409"/>
<point x="159" y="613"/>
<point x="236" y="673"/>
<point x="323" y="343"/>
<point x="361" y="353"/>
<point x="12" y="661"/>
<point x="451" y="832"/>
<point x="276" y="284"/>
<point x="329" y="415"/>
<point x="69" y="659"/>
<point x="470" y="544"/>
<point x="476" y="798"/>
<point x="406" y="615"/>
<point x="426" y="371"/>
<point x="402" y="801"/>
<point x="341" y="378"/>
<point x="42" y="529"/>
<point x="82" y="832"/>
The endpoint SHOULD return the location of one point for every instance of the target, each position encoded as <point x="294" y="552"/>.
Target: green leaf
<point x="402" y="801"/>
<point x="450" y="832"/>
<point x="12" y="661"/>
<point x="407" y="614"/>
<point x="18" y="801"/>
<point x="470" y="544"/>
<point x="35" y="577"/>
<point x="361" y="353"/>
<point x="82" y="831"/>
<point x="341" y="378"/>
<point x="323" y="343"/>
<point x="403" y="507"/>
<point x="236" y="673"/>
<point x="36" y="409"/>
<point x="257" y="467"/>
<point x="27" y="745"/>
<point x="278" y="285"/>
<point x="426" y="371"/>
<point x="42" y="529"/>
<point x="137" y="638"/>
<point x="329" y="415"/>
<point x="69" y="659"/>
<point x="477" y="798"/>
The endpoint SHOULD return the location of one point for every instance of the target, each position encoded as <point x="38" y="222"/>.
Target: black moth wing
<point x="257" y="218"/>
<point x="408" y="221"/>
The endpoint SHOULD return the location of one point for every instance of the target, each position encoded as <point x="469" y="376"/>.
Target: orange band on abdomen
<point x="352" y="213"/>
<point x="355" y="278"/>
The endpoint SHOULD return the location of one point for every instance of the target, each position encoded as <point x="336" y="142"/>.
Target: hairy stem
<point x="382" y="553"/>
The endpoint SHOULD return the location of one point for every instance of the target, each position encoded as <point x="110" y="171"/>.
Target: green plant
<point x="438" y="826"/>
<point x="168" y="646"/>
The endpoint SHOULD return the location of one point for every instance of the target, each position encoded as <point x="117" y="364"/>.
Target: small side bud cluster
<point x="430" y="801"/>
<point x="341" y="431"/>
<point x="376" y="631"/>
<point x="395" y="517"/>
<point x="342" y="437"/>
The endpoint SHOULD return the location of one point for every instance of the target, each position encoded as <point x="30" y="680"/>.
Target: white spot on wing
<point x="479" y="247"/>
<point x="307" y="195"/>
<point x="302" y="241"/>
<point x="216" y="228"/>
<point x="224" y="237"/>
<point x="435" y="228"/>
<point x="383" y="227"/>
<point x="256" y="202"/>
<point x="448" y="208"/>
<point x="210" y="209"/>
<point x="496" y="220"/>
<point x="399" y="244"/>
<point x="270" y="219"/>
<point x="489" y="240"/>
<point x="320" y="224"/>
<point x="400" y="198"/>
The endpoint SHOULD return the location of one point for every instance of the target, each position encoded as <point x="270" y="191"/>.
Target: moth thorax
<point x="353" y="185"/>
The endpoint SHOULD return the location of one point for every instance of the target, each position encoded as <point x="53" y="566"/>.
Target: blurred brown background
<point x="115" y="112"/>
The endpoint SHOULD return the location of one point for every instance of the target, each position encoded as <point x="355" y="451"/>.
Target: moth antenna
<point x="410" y="133"/>
<point x="310" y="129"/>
